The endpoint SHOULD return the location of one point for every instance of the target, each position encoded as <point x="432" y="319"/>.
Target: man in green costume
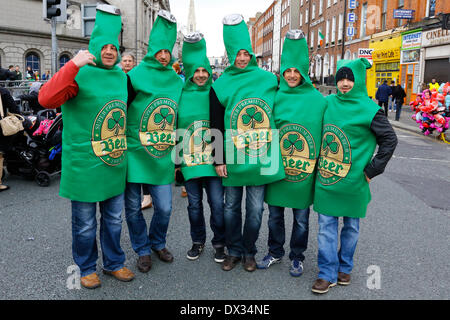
<point x="152" y="117"/>
<point x="241" y="103"/>
<point x="352" y="127"/>
<point x="93" y="92"/>
<point x="196" y="155"/>
<point x="298" y="113"/>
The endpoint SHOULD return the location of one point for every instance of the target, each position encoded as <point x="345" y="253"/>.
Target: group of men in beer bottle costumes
<point x="119" y="133"/>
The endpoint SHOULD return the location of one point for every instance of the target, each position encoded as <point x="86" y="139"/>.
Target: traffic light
<point x="51" y="8"/>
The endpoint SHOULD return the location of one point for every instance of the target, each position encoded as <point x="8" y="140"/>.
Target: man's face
<point x="127" y="63"/>
<point x="433" y="80"/>
<point x="17" y="68"/>
<point x="292" y="77"/>
<point x="163" y="56"/>
<point x="200" y="76"/>
<point x="109" y="55"/>
<point x="242" y="59"/>
<point x="345" y="85"/>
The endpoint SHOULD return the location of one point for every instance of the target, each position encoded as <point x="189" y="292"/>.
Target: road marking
<point x="422" y="159"/>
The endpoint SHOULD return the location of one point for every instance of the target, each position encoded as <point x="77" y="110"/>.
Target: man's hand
<point x="221" y="171"/>
<point x="83" y="58"/>
<point x="367" y="178"/>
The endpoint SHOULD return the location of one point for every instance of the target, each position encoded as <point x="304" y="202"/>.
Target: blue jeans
<point x="242" y="243"/>
<point x="137" y="227"/>
<point x="331" y="261"/>
<point x="299" y="236"/>
<point x="398" y="110"/>
<point x="84" y="231"/>
<point x="215" y="193"/>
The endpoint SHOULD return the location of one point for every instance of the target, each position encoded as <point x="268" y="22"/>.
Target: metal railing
<point x="17" y="88"/>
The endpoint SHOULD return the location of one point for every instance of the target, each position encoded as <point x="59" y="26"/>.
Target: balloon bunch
<point x="431" y="109"/>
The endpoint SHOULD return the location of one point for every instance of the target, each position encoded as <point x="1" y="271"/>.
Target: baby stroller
<point x="35" y="156"/>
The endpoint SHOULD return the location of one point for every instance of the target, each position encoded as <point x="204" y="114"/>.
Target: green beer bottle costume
<point x="193" y="112"/>
<point x="347" y="148"/>
<point x="94" y="161"/>
<point x="153" y="113"/>
<point x="247" y="95"/>
<point x="298" y="114"/>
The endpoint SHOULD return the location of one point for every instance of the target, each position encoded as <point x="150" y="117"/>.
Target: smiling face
<point x="163" y="56"/>
<point x="292" y="77"/>
<point x="242" y="59"/>
<point x="345" y="85"/>
<point x="200" y="76"/>
<point x="109" y="55"/>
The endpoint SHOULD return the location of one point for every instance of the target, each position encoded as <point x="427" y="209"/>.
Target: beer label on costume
<point x="335" y="155"/>
<point x="109" y="133"/>
<point x="298" y="152"/>
<point x="197" y="149"/>
<point x="250" y="125"/>
<point x="157" y="127"/>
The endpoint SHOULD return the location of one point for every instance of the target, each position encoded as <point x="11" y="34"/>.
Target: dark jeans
<point x="299" y="236"/>
<point x="242" y="242"/>
<point x="398" y="110"/>
<point x="386" y="106"/>
<point x="215" y="192"/>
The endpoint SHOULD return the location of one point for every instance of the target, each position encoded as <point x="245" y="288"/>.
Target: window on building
<point x="32" y="60"/>
<point x="328" y="3"/>
<point x="313" y="11"/>
<point x="63" y="59"/>
<point x="306" y="15"/>
<point x="400" y="6"/>
<point x="311" y="40"/>
<point x="320" y="7"/>
<point x="88" y="12"/>
<point x="383" y="15"/>
<point x="363" y="21"/>
<point x="333" y="30"/>
<point x="327" y="33"/>
<point x="341" y="26"/>
<point x="301" y="19"/>
<point x="431" y="8"/>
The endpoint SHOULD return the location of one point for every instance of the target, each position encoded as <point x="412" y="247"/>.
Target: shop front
<point x="386" y="63"/>
<point x="435" y="55"/>
<point x="410" y="63"/>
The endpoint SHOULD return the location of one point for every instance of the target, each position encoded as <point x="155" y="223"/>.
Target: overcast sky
<point x="209" y="15"/>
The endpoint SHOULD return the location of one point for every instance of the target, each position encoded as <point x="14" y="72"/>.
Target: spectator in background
<point x="36" y="76"/>
<point x="128" y="62"/>
<point x="32" y="97"/>
<point x="29" y="73"/>
<point x="46" y="76"/>
<point x="382" y="95"/>
<point x="398" y="97"/>
<point x="5" y="142"/>
<point x="11" y="75"/>
<point x="433" y="84"/>
<point x="391" y="101"/>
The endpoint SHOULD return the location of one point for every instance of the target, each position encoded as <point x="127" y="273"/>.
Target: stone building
<point x="25" y="38"/>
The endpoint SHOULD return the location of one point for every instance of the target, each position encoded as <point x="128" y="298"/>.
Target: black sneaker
<point x="195" y="251"/>
<point x="220" y="255"/>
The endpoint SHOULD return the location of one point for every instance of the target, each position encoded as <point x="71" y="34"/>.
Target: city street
<point x="403" y="251"/>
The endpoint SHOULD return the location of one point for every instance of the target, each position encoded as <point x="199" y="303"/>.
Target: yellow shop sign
<point x="386" y="54"/>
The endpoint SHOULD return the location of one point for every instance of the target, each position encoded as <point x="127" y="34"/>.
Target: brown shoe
<point x="144" y="263"/>
<point x="249" y="264"/>
<point x="343" y="279"/>
<point x="322" y="286"/>
<point x="123" y="274"/>
<point x="230" y="262"/>
<point x="164" y="255"/>
<point x="183" y="194"/>
<point x="146" y="202"/>
<point x="90" y="281"/>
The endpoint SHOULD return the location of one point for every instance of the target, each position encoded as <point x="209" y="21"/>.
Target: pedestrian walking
<point x="298" y="113"/>
<point x="398" y="95"/>
<point x="93" y="91"/>
<point x="391" y="100"/>
<point x="345" y="169"/>
<point x="151" y="136"/>
<point x="382" y="95"/>
<point x="241" y="104"/>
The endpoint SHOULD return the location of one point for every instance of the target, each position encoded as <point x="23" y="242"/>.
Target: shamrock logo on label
<point x="163" y="118"/>
<point x="330" y="145"/>
<point x="251" y="117"/>
<point x="202" y="138"/>
<point x="292" y="143"/>
<point x="116" y="122"/>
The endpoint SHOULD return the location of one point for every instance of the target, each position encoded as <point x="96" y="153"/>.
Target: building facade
<point x="25" y="38"/>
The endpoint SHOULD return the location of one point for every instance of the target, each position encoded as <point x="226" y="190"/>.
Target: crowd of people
<point x="138" y="127"/>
